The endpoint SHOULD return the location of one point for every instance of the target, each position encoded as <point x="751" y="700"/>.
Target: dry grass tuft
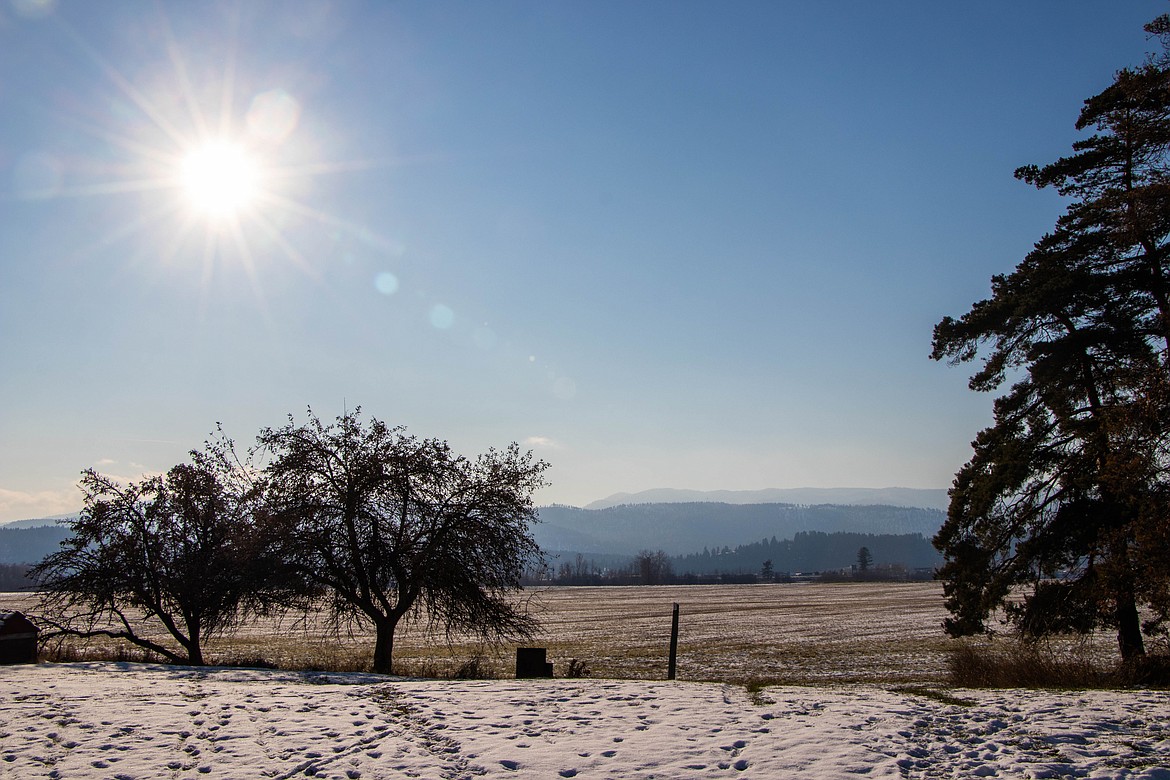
<point x="756" y="691"/>
<point x="1018" y="665"/>
<point x="1151" y="671"/>
<point x="477" y="668"/>
<point x="64" y="652"/>
<point x="934" y="694"/>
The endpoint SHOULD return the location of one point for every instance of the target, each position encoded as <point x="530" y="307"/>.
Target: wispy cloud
<point x="542" y="442"/>
<point x="21" y="505"/>
<point x="128" y="472"/>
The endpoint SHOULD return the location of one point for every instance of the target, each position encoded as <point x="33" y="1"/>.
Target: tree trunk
<point x="195" y="655"/>
<point x="384" y="645"/>
<point x="1129" y="625"/>
<point x="1129" y="628"/>
<point x="194" y="646"/>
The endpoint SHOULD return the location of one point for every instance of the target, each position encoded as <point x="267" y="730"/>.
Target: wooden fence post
<point x="672" y="665"/>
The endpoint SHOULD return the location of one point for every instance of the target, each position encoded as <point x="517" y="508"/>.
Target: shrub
<point x="578" y="668"/>
<point x="1022" y="666"/>
<point x="1148" y="671"/>
<point x="475" y="668"/>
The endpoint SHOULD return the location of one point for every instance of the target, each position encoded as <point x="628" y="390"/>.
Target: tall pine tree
<point x="1066" y="494"/>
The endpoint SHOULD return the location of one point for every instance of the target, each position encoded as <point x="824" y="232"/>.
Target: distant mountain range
<point x="38" y="521"/>
<point x="923" y="498"/>
<point x="679" y="522"/>
<point x="932" y="498"/>
<point x="683" y="528"/>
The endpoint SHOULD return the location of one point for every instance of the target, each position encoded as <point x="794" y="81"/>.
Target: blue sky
<point x="663" y="244"/>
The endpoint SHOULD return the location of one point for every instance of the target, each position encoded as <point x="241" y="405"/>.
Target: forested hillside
<point x="683" y="529"/>
<point x="29" y="545"/>
<point x="794" y="537"/>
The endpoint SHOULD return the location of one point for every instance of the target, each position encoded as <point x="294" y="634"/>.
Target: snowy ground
<point x="107" y="720"/>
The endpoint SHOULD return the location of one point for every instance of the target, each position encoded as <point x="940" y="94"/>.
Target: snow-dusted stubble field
<point x="792" y="633"/>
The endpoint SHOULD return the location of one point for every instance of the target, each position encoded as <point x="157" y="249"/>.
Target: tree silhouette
<point x="1066" y="493"/>
<point x="393" y="528"/>
<point x="653" y="568"/>
<point x="182" y="552"/>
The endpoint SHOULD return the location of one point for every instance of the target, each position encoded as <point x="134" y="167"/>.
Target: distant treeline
<point x="814" y="551"/>
<point x="830" y="556"/>
<point x="12" y="577"/>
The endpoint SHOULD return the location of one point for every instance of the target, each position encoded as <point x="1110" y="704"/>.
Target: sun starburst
<point x="218" y="164"/>
<point x="220" y="178"/>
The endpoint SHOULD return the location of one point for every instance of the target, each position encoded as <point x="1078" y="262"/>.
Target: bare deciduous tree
<point x="178" y="554"/>
<point x="394" y="528"/>
<point x="653" y="568"/>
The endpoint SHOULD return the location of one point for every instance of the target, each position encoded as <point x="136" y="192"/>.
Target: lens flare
<point x="386" y="283"/>
<point x="442" y="317"/>
<point x="273" y="115"/>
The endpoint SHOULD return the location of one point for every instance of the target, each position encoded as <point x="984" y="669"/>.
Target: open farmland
<point x="791" y="633"/>
<point x="784" y="633"/>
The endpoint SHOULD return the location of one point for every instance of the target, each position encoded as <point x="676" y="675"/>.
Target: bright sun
<point x="220" y="179"/>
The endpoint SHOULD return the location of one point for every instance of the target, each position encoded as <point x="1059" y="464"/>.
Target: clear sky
<point x="662" y="244"/>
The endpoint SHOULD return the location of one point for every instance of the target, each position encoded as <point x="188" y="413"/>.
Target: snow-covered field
<point x="121" y="721"/>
